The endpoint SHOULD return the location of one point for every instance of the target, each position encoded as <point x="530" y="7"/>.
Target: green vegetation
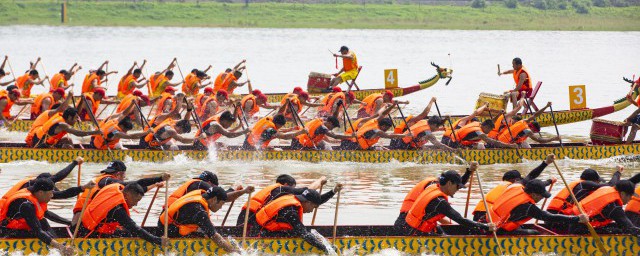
<point x="540" y="15"/>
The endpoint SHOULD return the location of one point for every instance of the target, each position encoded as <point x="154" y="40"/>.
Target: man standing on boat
<point x="521" y="78"/>
<point x="349" y="69"/>
<point x="282" y="217"/>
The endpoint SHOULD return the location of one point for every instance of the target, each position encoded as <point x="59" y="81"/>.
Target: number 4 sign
<point x="390" y="78"/>
<point x="577" y="97"/>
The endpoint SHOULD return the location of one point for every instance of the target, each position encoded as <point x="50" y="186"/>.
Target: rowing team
<point x="277" y="210"/>
<point x="102" y="210"/>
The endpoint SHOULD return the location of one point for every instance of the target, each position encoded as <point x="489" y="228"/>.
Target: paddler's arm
<point x="616" y="176"/>
<point x="67" y="128"/>
<point x="315" y="185"/>
<point x="207" y="69"/>
<point x="236" y="67"/>
<point x="312" y="104"/>
<point x="60" y="175"/>
<point x="219" y="129"/>
<point x="617" y="214"/>
<point x="173" y="134"/>
<point x="498" y="143"/>
<point x="7" y="82"/>
<point x="514" y="111"/>
<point x="537" y="138"/>
<point x="424" y="114"/>
<point x="56" y="218"/>
<point x="632" y="116"/>
<point x="290" y="215"/>
<point x="339" y="136"/>
<point x="538" y="170"/>
<point x="539" y="112"/>
<point x="235" y="194"/>
<point x="22" y="102"/>
<point x="443" y="207"/>
<point x="73" y="191"/>
<point x="328" y="195"/>
<point x="131" y="136"/>
<point x="74" y="69"/>
<point x="437" y="143"/>
<point x="128" y="224"/>
<point x="35" y="64"/>
<point x="289" y="135"/>
<point x="201" y="217"/>
<point x="475" y="113"/>
<point x="533" y="211"/>
<point x="130" y="71"/>
<point x="139" y="85"/>
<point x="4" y="61"/>
<point x="382" y="134"/>
<point x="103" y="64"/>
<point x="382" y="114"/>
<point x="28" y="211"/>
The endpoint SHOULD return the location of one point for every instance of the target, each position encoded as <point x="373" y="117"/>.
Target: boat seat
<point x="530" y="106"/>
<point x="352" y="83"/>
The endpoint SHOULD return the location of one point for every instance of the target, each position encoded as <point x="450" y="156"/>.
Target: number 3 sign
<point x="577" y="97"/>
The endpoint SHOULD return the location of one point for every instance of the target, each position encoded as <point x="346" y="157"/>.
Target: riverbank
<point x="285" y="15"/>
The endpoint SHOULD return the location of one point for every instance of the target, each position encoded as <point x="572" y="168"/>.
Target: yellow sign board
<point x="390" y="78"/>
<point x="577" y="97"/>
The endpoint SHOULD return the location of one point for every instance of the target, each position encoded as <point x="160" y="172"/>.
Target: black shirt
<point x="616" y="213"/>
<point x="195" y="213"/>
<point x="529" y="210"/>
<point x="290" y="215"/>
<point x="23" y="208"/>
<point x="57" y="177"/>
<point x="440" y="205"/>
<point x="119" y="214"/>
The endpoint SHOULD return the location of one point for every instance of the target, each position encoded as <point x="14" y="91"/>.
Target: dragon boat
<point x="357" y="239"/>
<point x="10" y="152"/>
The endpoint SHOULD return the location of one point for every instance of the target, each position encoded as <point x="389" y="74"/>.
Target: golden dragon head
<point x="443" y="72"/>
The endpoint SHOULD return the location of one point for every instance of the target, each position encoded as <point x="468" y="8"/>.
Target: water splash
<point x="325" y="242"/>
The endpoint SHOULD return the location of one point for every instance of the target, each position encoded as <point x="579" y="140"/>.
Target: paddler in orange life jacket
<point x="319" y="129"/>
<point x="159" y="81"/>
<point x="45" y="101"/>
<point x="3" y="73"/>
<point x="113" y="130"/>
<point x="131" y="80"/>
<point x="297" y="101"/>
<point x="252" y="103"/>
<point x="422" y="127"/>
<point x="521" y="129"/>
<point x="332" y="103"/>
<point x="522" y="79"/>
<point x="107" y="215"/>
<point x="61" y="79"/>
<point x="190" y="213"/>
<point x="228" y="80"/>
<point x="501" y="120"/>
<point x="432" y="205"/>
<point x="632" y="209"/>
<point x="517" y="205"/>
<point x="52" y="133"/>
<point x="508" y="178"/>
<point x="471" y="134"/>
<point x="282" y="217"/>
<point x="167" y="132"/>
<point x="217" y="85"/>
<point x="267" y="129"/>
<point x="126" y="107"/>
<point x="7" y="99"/>
<point x="373" y="103"/>
<point x="199" y="98"/>
<point x="216" y="127"/>
<point x="93" y="100"/>
<point x="205" y="181"/>
<point x="95" y="78"/>
<point x="56" y="109"/>
<point x="368" y="133"/>
<point x="26" y="82"/>
<point x="212" y="105"/>
<point x="24" y="215"/>
<point x="589" y="182"/>
<point x="349" y="70"/>
<point x="193" y="82"/>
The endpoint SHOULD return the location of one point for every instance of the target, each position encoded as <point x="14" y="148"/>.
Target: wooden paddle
<point x="544" y="202"/>
<point x="228" y="211"/>
<point x="246" y="219"/>
<point x="486" y="206"/>
<point x="45" y="75"/>
<point x="87" y="193"/>
<point x="553" y="117"/>
<point x="166" y="216"/>
<point x="11" y="68"/>
<point x="511" y="135"/>
<point x="297" y="118"/>
<point x="80" y="173"/>
<point x="315" y="211"/>
<point x="466" y="206"/>
<point x="147" y="123"/>
<point x="335" y="219"/>
<point x="144" y="220"/>
<point x="95" y="122"/>
<point x="249" y="86"/>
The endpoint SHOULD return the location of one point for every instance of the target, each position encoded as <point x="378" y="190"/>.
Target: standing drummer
<point x="349" y="69"/>
<point x="521" y="78"/>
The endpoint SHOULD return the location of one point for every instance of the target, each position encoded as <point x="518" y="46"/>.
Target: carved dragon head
<point x="443" y="72"/>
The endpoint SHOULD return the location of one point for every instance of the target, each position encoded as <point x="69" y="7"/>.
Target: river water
<point x="280" y="59"/>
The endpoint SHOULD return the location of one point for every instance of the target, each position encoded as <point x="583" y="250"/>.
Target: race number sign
<point x="577" y="97"/>
<point x="390" y="78"/>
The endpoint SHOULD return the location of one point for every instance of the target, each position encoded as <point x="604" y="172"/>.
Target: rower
<point x="462" y="122"/>
<point x="521" y="78"/>
<point x="61" y="79"/>
<point x="267" y="129"/>
<point x="252" y="103"/>
<point x="375" y="102"/>
<point x="115" y="172"/>
<point x="432" y="205"/>
<point x="416" y="191"/>
<point x="190" y="213"/>
<point x="107" y="215"/>
<point x="501" y="120"/>
<point x="331" y="103"/>
<point x="4" y="73"/>
<point x="94" y="99"/>
<point x="131" y="80"/>
<point x="218" y="83"/>
<point x="422" y="134"/>
<point x="7" y="99"/>
<point x="369" y="132"/>
<point x="165" y="133"/>
<point x="95" y="78"/>
<point x="52" y="133"/>
<point x="282" y="217"/>
<point x="517" y="205"/>
<point x="589" y="182"/>
<point x="285" y="185"/>
<point x="212" y="105"/>
<point x="230" y="81"/>
<point x="216" y="127"/>
<point x="509" y="178"/>
<point x="297" y="100"/>
<point x="27" y="81"/>
<point x="349" y="70"/>
<point x="193" y="83"/>
<point x="112" y="131"/>
<point x="56" y="109"/>
<point x="470" y="135"/>
<point x="45" y="101"/>
<point x="632" y="209"/>
<point x="159" y="81"/>
<point x="167" y="103"/>
<point x="24" y="215"/>
<point x="519" y="131"/>
<point x="201" y="97"/>
<point x="605" y="209"/>
<point x="125" y="106"/>
<point x="205" y="181"/>
<point x="319" y="129"/>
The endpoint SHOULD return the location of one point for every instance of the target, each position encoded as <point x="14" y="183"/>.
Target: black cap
<point x="42" y="184"/>
<point x="590" y="174"/>
<point x="216" y="192"/>
<point x="268" y="133"/>
<point x="44" y="175"/>
<point x="115" y="166"/>
<point x="510" y="175"/>
<point x="344" y="48"/>
<point x="311" y="196"/>
<point x="538" y="187"/>
<point x="452" y="176"/>
<point x="209" y="177"/>
<point x="627" y="186"/>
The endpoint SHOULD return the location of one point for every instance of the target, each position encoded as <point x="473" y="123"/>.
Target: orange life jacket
<point x="174" y="208"/>
<point x="94" y="217"/>
<point x="16" y="187"/>
<point x="595" y="202"/>
<point x="350" y="131"/>
<point x="24" y="85"/>
<point x="149" y="138"/>
<point x="512" y="197"/>
<point x="260" y="198"/>
<point x="45" y="130"/>
<point x="40" y="120"/>
<point x="82" y="196"/>
<point x="210" y="139"/>
<point x="204" y="106"/>
<point x="181" y="191"/>
<point x="230" y="77"/>
<point x="157" y="82"/>
<point x="256" y="131"/>
<point x="497" y="129"/>
<point x="416" y="129"/>
<point x="267" y="216"/>
<point x="255" y="109"/>
<point x="331" y="100"/>
<point x="365" y="143"/>
<point x="461" y="133"/>
<point x="492" y="197"/>
<point x="190" y="85"/>
<point x="415" y="216"/>
<point x="199" y="100"/>
<point x="561" y="202"/>
<point x="526" y="86"/>
<point x="295" y="101"/>
<point x="57" y="81"/>
<point x="415" y="192"/>
<point x="516" y="133"/>
<point x="312" y="126"/>
<point x="124" y="87"/>
<point x="21" y="223"/>
<point x="164" y="97"/>
<point x="350" y="64"/>
<point x="125" y="103"/>
<point x="36" y="107"/>
<point x="370" y="107"/>
<point x="87" y="84"/>
<point x="102" y="141"/>
<point x="217" y="84"/>
<point x="634" y="204"/>
<point x="6" y="112"/>
<point x="447" y="129"/>
<point x="402" y="126"/>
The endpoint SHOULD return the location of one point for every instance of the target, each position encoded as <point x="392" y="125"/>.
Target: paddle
<point x="315" y="211"/>
<point x="166" y="216"/>
<point x="179" y="69"/>
<point x="511" y="135"/>
<point x="545" y="201"/>
<point x="79" y="172"/>
<point x="95" y="122"/>
<point x="466" y="206"/>
<point x="347" y="116"/>
<point x="335" y="218"/>
<point x="227" y="214"/>
<point x="87" y="192"/>
<point x="148" y="125"/>
<point x="403" y="119"/>
<point x="486" y="206"/>
<point x="297" y="118"/>
<point x="453" y="131"/>
<point x="595" y="235"/>
<point x="246" y="219"/>
<point x="553" y="117"/>
<point x="249" y="86"/>
<point x="45" y="74"/>
<point x="144" y="220"/>
<point x="11" y="68"/>
<point x="73" y="99"/>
